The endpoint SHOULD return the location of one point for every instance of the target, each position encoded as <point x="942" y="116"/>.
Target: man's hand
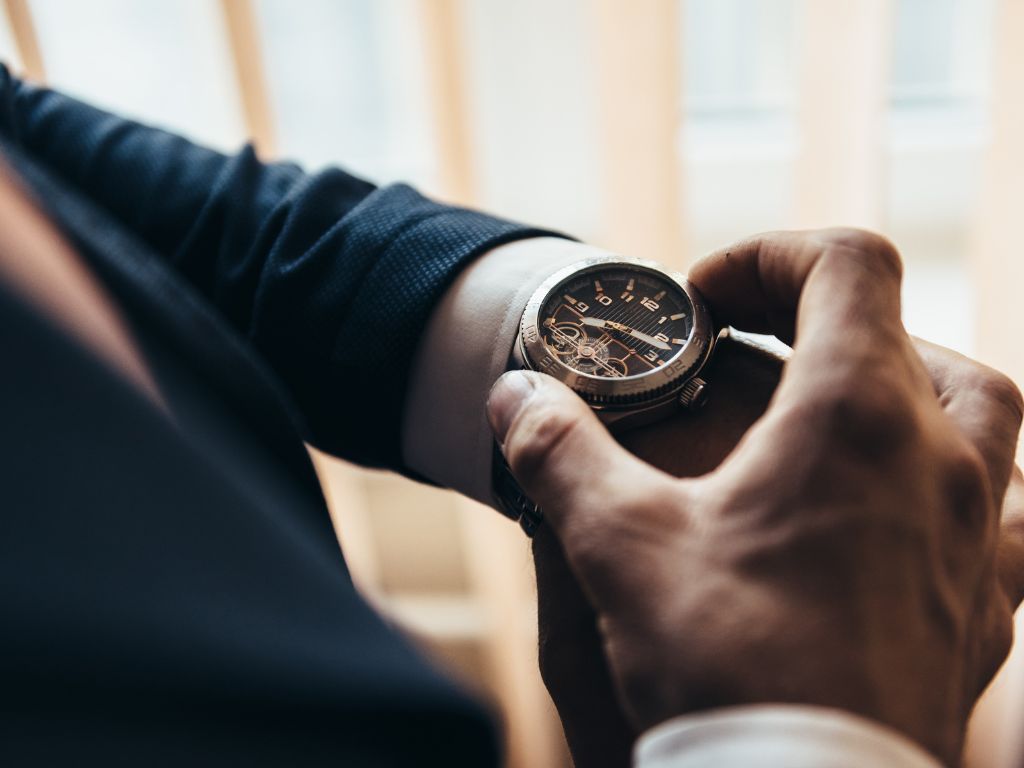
<point x="691" y="443"/>
<point x="847" y="554"/>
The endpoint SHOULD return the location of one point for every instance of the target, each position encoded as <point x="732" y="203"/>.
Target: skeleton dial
<point x="616" y="321"/>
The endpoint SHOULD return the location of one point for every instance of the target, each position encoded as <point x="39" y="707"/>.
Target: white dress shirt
<point x="446" y="438"/>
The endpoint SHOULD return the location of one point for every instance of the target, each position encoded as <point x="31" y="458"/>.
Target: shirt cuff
<point x="464" y="349"/>
<point x="777" y="736"/>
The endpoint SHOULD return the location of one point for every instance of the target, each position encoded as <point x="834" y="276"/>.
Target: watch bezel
<point x="627" y="390"/>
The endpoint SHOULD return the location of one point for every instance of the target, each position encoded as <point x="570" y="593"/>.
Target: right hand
<point x="847" y="554"/>
<point x="687" y="444"/>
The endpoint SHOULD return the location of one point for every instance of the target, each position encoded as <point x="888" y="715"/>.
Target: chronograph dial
<point x="628" y="336"/>
<point x="617" y="322"/>
<point x="618" y="331"/>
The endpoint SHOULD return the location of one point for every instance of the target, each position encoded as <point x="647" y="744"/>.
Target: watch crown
<point x="693" y="394"/>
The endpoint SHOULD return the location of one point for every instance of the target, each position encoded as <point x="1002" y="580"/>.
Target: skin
<point x="860" y="547"/>
<point x="614" y="647"/>
<point x="572" y="663"/>
<point x="42" y="268"/>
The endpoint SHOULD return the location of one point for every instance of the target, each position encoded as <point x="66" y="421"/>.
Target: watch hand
<point x="599" y="323"/>
<point x="649" y="339"/>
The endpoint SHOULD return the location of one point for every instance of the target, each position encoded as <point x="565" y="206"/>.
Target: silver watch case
<point x="649" y="394"/>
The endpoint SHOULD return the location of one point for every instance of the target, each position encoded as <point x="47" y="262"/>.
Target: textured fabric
<point x="777" y="736"/>
<point x="329" y="278"/>
<point x="172" y="594"/>
<point x="171" y="589"/>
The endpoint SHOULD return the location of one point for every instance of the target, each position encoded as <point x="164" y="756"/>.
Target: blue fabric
<point x="329" y="278"/>
<point x="171" y="591"/>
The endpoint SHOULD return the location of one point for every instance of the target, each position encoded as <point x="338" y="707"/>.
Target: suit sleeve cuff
<point x="464" y="349"/>
<point x="777" y="736"/>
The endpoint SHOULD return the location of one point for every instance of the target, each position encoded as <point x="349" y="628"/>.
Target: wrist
<point x="463" y="350"/>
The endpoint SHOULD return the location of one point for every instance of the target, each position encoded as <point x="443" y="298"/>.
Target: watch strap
<point x="511" y="499"/>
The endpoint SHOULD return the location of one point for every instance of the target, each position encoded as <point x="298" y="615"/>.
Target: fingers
<point x="759" y="283"/>
<point x="1010" y="555"/>
<point x="853" y="372"/>
<point x="841" y="288"/>
<point x="984" y="404"/>
<point x="561" y="454"/>
<point x="694" y="442"/>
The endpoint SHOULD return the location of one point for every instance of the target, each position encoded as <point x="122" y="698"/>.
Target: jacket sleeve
<point x="330" y="278"/>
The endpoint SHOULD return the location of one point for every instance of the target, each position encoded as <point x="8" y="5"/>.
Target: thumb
<point x="561" y="454"/>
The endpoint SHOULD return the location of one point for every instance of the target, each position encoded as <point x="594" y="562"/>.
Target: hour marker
<point x="569" y="298"/>
<point x="680" y="316"/>
<point x="659" y="296"/>
<point x="597" y="286"/>
<point x="663" y="319"/>
<point x="678" y="341"/>
<point x="630" y="284"/>
<point x="628" y="297"/>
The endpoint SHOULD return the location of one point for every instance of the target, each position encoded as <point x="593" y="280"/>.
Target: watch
<point x="627" y="335"/>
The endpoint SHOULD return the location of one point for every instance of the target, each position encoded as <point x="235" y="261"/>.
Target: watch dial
<point x="616" y="321"/>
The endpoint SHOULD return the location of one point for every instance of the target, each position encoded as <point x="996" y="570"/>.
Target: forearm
<point x="331" y="279"/>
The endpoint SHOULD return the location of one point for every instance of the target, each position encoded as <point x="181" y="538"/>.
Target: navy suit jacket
<point x="171" y="591"/>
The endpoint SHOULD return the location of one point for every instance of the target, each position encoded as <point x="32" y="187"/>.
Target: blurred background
<point x="660" y="128"/>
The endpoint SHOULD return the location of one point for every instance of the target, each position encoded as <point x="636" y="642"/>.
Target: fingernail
<point x="508" y="396"/>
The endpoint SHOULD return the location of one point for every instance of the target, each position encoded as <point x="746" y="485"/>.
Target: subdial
<point x="563" y="338"/>
<point x="583" y="352"/>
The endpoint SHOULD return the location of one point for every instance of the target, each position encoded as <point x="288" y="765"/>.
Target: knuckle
<point x="876" y="248"/>
<point x="966" y="478"/>
<point x="999" y="388"/>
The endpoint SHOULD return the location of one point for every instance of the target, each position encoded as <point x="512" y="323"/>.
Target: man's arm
<point x="331" y="278"/>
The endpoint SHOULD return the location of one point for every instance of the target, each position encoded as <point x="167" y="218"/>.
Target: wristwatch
<point x="626" y="335"/>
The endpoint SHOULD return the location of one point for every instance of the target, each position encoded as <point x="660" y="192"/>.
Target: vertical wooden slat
<point x="445" y="62"/>
<point x="348" y="503"/>
<point x="639" y="114"/>
<point x="243" y="40"/>
<point x="499" y="565"/>
<point x="496" y="556"/>
<point x="997" y="270"/>
<point x="23" y="30"/>
<point x="997" y="253"/>
<point x="842" y="99"/>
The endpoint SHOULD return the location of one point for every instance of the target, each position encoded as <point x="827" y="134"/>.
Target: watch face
<point x="616" y="321"/>
<point x="621" y="332"/>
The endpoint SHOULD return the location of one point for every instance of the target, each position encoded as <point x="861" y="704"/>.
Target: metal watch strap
<point x="511" y="498"/>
